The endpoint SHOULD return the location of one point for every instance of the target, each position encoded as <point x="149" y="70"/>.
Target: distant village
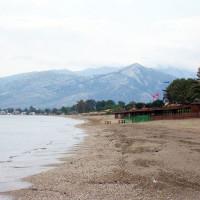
<point x="15" y="112"/>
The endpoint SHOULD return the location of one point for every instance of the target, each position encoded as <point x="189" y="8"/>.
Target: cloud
<point x="176" y="42"/>
<point x="36" y="35"/>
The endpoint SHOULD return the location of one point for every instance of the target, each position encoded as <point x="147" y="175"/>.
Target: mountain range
<point x="58" y="88"/>
<point x="179" y="73"/>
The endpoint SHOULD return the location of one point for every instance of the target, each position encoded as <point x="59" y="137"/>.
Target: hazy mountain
<point x="62" y="71"/>
<point x="5" y="80"/>
<point x="85" y="72"/>
<point x="57" y="87"/>
<point x="96" y="71"/>
<point x="179" y="73"/>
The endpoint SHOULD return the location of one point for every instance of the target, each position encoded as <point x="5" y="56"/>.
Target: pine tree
<point x="198" y="74"/>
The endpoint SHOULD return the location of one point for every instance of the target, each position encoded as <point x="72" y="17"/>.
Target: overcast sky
<point x="38" y="35"/>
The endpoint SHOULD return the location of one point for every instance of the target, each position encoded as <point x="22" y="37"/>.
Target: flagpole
<point x="164" y="91"/>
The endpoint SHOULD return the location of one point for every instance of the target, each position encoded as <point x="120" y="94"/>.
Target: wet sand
<point x="152" y="160"/>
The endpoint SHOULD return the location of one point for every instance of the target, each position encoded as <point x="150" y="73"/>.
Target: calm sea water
<point x="27" y="143"/>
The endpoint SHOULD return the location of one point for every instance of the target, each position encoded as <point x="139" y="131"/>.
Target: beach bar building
<point x="165" y="113"/>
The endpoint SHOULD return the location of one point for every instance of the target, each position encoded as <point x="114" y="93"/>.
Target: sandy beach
<point x="152" y="160"/>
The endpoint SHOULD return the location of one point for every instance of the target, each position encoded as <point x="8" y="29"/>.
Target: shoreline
<point x="153" y="160"/>
<point x="48" y="157"/>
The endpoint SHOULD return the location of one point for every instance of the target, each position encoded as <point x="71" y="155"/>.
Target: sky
<point x="37" y="35"/>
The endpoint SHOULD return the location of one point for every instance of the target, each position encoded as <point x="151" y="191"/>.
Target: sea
<point x="29" y="143"/>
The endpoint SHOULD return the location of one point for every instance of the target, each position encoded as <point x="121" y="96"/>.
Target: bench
<point x="121" y="121"/>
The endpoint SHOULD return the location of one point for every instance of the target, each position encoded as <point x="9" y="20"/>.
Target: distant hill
<point x="88" y="71"/>
<point x="58" y="88"/>
<point x="96" y="71"/>
<point x="5" y="80"/>
<point x="179" y="73"/>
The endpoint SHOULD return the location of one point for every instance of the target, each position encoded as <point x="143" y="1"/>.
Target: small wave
<point x="7" y="161"/>
<point x="16" y="167"/>
<point x="34" y="150"/>
<point x="77" y="138"/>
<point x="43" y="148"/>
<point x="50" y="143"/>
<point x="27" y="152"/>
<point x="13" y="157"/>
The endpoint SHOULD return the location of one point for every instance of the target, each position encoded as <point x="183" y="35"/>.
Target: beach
<point x="151" y="160"/>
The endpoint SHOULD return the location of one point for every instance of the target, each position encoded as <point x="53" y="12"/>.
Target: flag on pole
<point x="156" y="95"/>
<point x="166" y="81"/>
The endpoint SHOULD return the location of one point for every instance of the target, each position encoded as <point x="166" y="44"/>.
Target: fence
<point x="136" y="119"/>
<point x="175" y="116"/>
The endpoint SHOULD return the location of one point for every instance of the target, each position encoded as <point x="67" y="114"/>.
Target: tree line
<point x="89" y="105"/>
<point x="92" y="105"/>
<point x="183" y="91"/>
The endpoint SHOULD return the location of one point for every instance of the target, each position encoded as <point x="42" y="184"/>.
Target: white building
<point x="32" y="113"/>
<point x="16" y="112"/>
<point x="3" y="112"/>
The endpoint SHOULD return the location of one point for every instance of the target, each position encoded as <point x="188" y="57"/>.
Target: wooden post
<point x="195" y="107"/>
